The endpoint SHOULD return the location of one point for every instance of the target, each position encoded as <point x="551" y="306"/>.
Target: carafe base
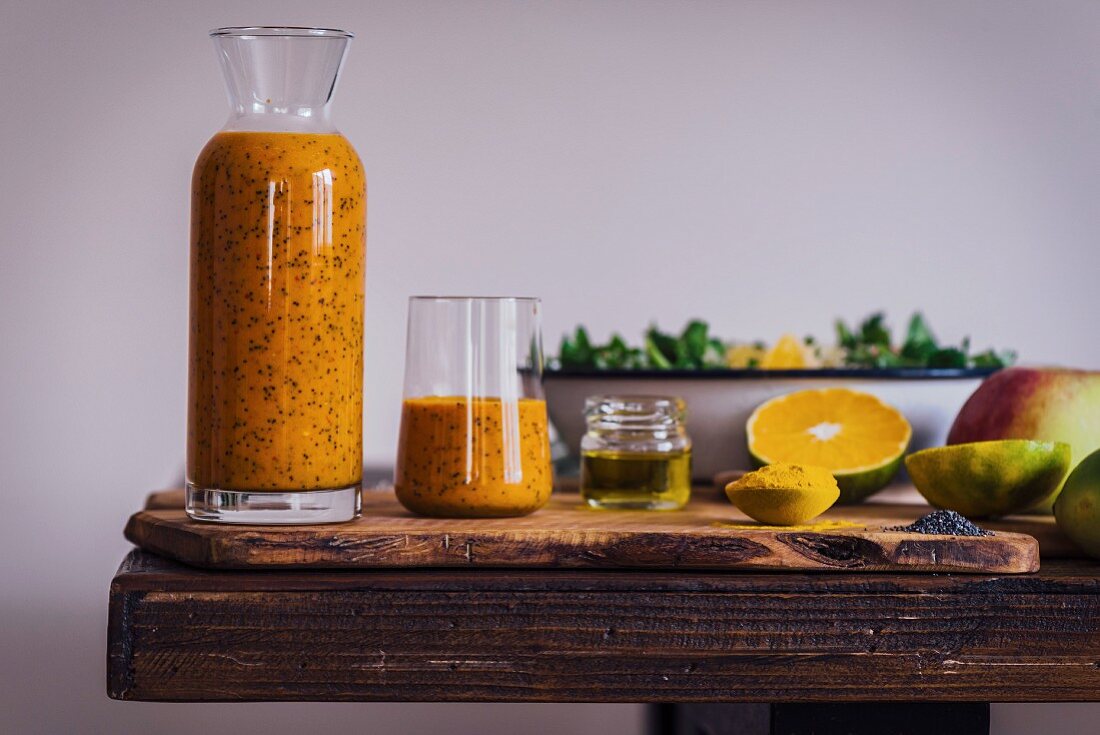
<point x="265" y="507"/>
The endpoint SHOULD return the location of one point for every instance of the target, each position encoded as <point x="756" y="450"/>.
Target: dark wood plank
<point x="143" y="570"/>
<point x="596" y="636"/>
<point x="708" y="534"/>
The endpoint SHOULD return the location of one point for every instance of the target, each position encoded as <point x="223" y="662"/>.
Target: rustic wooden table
<point x="834" y="642"/>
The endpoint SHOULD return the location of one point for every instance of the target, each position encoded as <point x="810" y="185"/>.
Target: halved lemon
<point x="787" y="354"/>
<point x="854" y="435"/>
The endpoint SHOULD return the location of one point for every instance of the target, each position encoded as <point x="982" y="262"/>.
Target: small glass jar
<point x="636" y="454"/>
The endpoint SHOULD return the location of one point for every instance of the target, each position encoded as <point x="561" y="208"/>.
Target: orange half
<point x="854" y="435"/>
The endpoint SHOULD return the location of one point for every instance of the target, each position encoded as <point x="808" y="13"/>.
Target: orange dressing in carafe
<point x="276" y="332"/>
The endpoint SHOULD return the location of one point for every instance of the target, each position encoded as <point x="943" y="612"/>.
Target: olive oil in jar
<point x="636" y="480"/>
<point x="636" y="454"/>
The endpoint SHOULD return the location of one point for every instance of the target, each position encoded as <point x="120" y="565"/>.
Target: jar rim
<point x="279" y="32"/>
<point x="634" y="412"/>
<point x="627" y="402"/>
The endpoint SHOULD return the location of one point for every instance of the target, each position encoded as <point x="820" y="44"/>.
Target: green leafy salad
<point x="868" y="345"/>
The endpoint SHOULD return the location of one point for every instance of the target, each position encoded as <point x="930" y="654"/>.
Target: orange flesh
<point x="859" y="431"/>
<point x="278" y="241"/>
<point x="479" y="457"/>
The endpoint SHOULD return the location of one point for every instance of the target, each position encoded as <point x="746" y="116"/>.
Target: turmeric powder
<point x="790" y="476"/>
<point x="784" y="494"/>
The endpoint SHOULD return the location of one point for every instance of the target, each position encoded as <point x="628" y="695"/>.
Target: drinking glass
<point x="474" y="441"/>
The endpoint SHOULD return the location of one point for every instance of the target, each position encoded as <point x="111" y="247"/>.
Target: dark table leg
<point x="872" y="718"/>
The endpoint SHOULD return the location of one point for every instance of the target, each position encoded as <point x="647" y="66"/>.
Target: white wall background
<point x="767" y="166"/>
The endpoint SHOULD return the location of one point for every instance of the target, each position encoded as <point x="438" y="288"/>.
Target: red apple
<point x="1048" y="404"/>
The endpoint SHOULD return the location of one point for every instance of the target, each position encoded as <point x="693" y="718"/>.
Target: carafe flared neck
<point x="280" y="78"/>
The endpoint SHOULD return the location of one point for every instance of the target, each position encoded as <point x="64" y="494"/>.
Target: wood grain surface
<point x="185" y="634"/>
<point x="708" y="534"/>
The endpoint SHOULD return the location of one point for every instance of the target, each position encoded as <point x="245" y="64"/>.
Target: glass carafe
<point x="278" y="243"/>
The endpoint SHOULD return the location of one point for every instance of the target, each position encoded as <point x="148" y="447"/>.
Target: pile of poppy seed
<point x="943" y="523"/>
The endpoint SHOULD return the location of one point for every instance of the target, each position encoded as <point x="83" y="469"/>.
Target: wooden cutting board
<point x="708" y="534"/>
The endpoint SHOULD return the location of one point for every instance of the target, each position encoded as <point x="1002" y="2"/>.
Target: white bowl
<point x="719" y="401"/>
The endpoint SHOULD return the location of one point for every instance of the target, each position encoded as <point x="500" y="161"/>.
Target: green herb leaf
<point x="844" y="336"/>
<point x="949" y="357"/>
<point x="920" y="343"/>
<point x="693" y="343"/>
<point x="661" y="348"/>
<point x="873" y="331"/>
<point x="653" y="353"/>
<point x="578" y="351"/>
<point x="993" y="359"/>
